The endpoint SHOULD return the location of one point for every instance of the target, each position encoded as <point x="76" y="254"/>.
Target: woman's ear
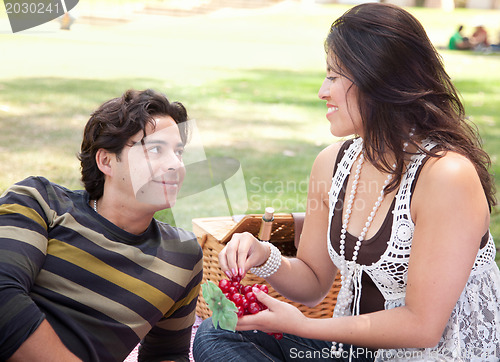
<point x="103" y="159"/>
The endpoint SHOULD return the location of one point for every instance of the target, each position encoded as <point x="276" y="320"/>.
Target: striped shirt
<point x="101" y="288"/>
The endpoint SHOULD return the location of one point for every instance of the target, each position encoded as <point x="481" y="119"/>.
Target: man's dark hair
<point x="113" y="124"/>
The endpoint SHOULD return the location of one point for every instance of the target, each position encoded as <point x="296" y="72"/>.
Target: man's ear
<point x="103" y="159"/>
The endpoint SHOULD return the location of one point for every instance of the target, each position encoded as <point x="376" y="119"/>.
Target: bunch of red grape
<point x="244" y="298"/>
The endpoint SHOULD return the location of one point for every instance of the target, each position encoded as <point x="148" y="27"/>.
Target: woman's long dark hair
<point x="402" y="86"/>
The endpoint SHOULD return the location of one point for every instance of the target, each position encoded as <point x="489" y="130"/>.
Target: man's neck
<point x="127" y="217"/>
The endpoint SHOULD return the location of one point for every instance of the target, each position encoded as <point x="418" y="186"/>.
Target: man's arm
<point x="43" y="345"/>
<point x="25" y="334"/>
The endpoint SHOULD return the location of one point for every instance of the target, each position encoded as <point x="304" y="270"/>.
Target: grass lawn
<point x="249" y="79"/>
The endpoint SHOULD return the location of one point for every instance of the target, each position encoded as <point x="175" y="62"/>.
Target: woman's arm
<point x="451" y="215"/>
<point x="308" y="277"/>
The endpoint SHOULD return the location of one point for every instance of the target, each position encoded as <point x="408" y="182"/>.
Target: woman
<point x="405" y="217"/>
<point x="480" y="37"/>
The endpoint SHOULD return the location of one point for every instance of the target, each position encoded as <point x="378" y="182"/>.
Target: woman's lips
<point x="331" y="109"/>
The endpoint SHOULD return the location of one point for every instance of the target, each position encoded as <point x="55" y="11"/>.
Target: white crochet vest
<point x="473" y="330"/>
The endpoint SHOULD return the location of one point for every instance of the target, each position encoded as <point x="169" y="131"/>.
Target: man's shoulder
<point x="34" y="181"/>
<point x="39" y="190"/>
<point x="41" y="183"/>
<point x="185" y="239"/>
<point x="33" y="187"/>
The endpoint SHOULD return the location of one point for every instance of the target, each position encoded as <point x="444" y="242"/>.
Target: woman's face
<point x="342" y="103"/>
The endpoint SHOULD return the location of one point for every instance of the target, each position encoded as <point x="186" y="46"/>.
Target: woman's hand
<point x="278" y="318"/>
<point x="241" y="253"/>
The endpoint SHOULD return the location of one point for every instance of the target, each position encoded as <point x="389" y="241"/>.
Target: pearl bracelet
<point x="271" y="265"/>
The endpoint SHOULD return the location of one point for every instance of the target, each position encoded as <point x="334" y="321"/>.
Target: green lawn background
<point x="249" y="78"/>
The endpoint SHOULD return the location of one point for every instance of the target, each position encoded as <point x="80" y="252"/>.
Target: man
<point x="458" y="41"/>
<point x="86" y="275"/>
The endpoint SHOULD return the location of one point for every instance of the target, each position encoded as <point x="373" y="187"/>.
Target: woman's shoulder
<point x="450" y="166"/>
<point x="450" y="179"/>
<point x="324" y="164"/>
<point x="330" y="153"/>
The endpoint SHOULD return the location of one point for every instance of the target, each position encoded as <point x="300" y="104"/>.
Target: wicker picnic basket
<point x="214" y="233"/>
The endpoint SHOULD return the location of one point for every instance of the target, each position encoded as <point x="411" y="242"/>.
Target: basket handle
<point x="202" y="240"/>
<point x="298" y="222"/>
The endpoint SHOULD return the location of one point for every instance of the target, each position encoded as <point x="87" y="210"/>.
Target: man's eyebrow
<point x="150" y="141"/>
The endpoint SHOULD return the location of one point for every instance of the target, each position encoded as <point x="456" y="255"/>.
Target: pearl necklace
<point x="95" y="206"/>
<point x="345" y="296"/>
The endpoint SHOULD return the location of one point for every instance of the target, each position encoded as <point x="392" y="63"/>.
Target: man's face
<point x="155" y="166"/>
